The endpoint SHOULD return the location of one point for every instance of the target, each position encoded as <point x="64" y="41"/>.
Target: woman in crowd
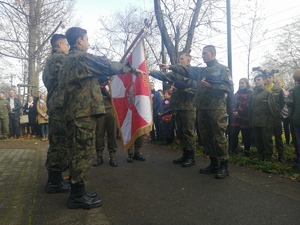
<point x="42" y="117"/>
<point x="30" y="110"/>
<point x="167" y="120"/>
<point x="239" y="115"/>
<point x="285" y="114"/>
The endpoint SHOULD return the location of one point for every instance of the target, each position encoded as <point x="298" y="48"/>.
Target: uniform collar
<point x="75" y="48"/>
<point x="259" y="88"/>
<point x="212" y="63"/>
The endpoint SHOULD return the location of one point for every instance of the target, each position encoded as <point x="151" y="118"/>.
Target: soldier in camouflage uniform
<point x="106" y="123"/>
<point x="214" y="83"/>
<point x="185" y="112"/>
<point x="262" y="114"/>
<point x="57" y="155"/>
<point x="279" y="100"/>
<point x="83" y="104"/>
<point x="4" y="119"/>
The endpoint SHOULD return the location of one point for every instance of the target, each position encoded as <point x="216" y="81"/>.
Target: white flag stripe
<point x="126" y="127"/>
<point x="138" y="55"/>
<point x="133" y="78"/>
<point x="117" y="88"/>
<point x="142" y="103"/>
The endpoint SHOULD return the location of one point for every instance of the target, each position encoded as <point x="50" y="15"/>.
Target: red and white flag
<point x="131" y="99"/>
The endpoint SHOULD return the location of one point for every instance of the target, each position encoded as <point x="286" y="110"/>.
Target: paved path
<point x="18" y="169"/>
<point x="150" y="192"/>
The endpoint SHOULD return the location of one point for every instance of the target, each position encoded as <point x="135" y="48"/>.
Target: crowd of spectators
<point x="35" y="124"/>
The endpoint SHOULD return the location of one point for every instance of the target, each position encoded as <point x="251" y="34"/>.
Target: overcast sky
<point x="278" y="13"/>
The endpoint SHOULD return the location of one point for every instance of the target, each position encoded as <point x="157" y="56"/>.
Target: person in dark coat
<point x="156" y="100"/>
<point x="239" y="116"/>
<point x="167" y="120"/>
<point x="30" y="110"/>
<point x="278" y="95"/>
<point x="14" y="115"/>
<point x="293" y="101"/>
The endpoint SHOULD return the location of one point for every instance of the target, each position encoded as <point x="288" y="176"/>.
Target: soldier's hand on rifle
<point x="164" y="66"/>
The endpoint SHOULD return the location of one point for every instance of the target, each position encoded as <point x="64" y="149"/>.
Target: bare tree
<point x="286" y="57"/>
<point x="26" y="27"/>
<point x="118" y="31"/>
<point x="181" y="23"/>
<point x="249" y="22"/>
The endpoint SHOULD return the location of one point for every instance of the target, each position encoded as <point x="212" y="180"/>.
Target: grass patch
<point x="286" y="169"/>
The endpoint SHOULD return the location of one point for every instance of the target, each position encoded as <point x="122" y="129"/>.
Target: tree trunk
<point x="34" y="16"/>
<point x="173" y="48"/>
<point x="164" y="32"/>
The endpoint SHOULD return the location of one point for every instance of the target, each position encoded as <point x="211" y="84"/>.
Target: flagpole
<point x="132" y="44"/>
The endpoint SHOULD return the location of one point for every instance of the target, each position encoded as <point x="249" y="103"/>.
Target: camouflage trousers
<point x="185" y="122"/>
<point x="58" y="152"/>
<point x="81" y="134"/>
<point x="212" y="125"/>
<point x="4" y="126"/>
<point x="106" y="123"/>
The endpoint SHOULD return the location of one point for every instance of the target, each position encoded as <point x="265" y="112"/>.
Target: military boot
<point x="80" y="199"/>
<point x="56" y="183"/>
<point x="213" y="166"/>
<point x="130" y="157"/>
<point x="223" y="171"/>
<point x="98" y="161"/>
<point x="138" y="156"/>
<point x="113" y="162"/>
<point x="190" y="160"/>
<point x="181" y="159"/>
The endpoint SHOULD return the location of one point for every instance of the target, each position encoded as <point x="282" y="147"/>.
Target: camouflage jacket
<point x="217" y="75"/>
<point x="4" y="108"/>
<point x="182" y="99"/>
<point x="79" y="78"/>
<point x="50" y="79"/>
<point x="262" y="108"/>
<point x="293" y="101"/>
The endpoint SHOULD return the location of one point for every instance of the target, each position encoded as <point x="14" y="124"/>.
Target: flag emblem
<point x="131" y="99"/>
